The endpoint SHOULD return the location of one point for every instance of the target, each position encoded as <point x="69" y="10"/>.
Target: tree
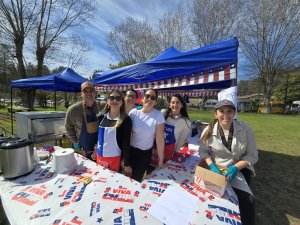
<point x="173" y="30"/>
<point x="7" y="67"/>
<point x="214" y="20"/>
<point x="288" y="87"/>
<point x="133" y="40"/>
<point x="120" y="64"/>
<point x="270" y="39"/>
<point x="248" y="87"/>
<point x="44" y="22"/>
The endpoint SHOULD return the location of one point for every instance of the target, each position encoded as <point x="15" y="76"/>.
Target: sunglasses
<point x="130" y="96"/>
<point x="117" y="98"/>
<point x="152" y="97"/>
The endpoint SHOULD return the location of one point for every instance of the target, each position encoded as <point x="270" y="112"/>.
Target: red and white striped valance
<point x="190" y="93"/>
<point x="207" y="76"/>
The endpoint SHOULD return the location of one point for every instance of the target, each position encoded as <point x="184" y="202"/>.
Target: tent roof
<point x="66" y="80"/>
<point x="172" y="64"/>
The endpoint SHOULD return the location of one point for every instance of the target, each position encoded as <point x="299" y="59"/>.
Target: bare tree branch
<point x="270" y="38"/>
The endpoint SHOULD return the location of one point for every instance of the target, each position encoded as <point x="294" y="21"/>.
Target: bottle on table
<point x="65" y="142"/>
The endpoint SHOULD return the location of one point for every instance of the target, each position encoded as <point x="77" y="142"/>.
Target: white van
<point x="295" y="107"/>
<point x="210" y="103"/>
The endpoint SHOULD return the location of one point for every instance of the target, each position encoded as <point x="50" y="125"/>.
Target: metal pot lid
<point x="6" y="139"/>
<point x="13" y="144"/>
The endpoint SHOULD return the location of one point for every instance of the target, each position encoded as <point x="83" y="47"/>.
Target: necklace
<point x="175" y="117"/>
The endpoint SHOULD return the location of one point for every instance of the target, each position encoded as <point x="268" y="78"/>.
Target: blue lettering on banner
<point x="78" y="197"/>
<point x="95" y="208"/>
<point x="41" y="213"/>
<point x="226" y="215"/>
<point x="127" y="218"/>
<point x="70" y="192"/>
<point x="56" y="222"/>
<point x="156" y="189"/>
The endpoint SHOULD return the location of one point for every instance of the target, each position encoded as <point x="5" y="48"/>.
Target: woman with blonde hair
<point x="114" y="134"/>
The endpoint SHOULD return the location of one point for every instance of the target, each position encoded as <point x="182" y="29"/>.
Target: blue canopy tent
<point x="67" y="80"/>
<point x="212" y="66"/>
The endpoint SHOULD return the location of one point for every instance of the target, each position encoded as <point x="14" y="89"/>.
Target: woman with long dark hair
<point x="177" y="126"/>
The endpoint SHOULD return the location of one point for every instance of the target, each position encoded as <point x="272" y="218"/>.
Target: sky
<point x="111" y="13"/>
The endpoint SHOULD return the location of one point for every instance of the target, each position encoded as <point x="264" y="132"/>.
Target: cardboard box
<point x="210" y="181"/>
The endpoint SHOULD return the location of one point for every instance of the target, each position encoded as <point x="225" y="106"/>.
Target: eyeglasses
<point x="130" y="96"/>
<point x="87" y="91"/>
<point x="117" y="98"/>
<point x="152" y="97"/>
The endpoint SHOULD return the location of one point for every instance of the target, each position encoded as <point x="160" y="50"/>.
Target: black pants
<point x="246" y="201"/>
<point x="139" y="160"/>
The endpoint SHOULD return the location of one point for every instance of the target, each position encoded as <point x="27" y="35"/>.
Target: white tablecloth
<point x="44" y="197"/>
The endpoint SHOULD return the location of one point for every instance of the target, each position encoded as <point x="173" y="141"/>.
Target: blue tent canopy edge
<point x="66" y="80"/>
<point x="172" y="63"/>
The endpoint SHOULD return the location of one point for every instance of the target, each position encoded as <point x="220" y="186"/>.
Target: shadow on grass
<point x="276" y="187"/>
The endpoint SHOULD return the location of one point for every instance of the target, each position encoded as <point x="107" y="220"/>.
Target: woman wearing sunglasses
<point x="147" y="127"/>
<point x="177" y="127"/>
<point x="114" y="134"/>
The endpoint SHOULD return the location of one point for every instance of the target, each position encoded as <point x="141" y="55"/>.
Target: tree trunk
<point x="28" y="96"/>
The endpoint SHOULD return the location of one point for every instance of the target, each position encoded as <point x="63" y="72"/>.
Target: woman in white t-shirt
<point x="147" y="127"/>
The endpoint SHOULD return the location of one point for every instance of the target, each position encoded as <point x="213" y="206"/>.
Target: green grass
<point x="275" y="133"/>
<point x="277" y="182"/>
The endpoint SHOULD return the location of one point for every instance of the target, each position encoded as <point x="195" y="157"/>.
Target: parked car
<point x="210" y="103"/>
<point x="295" y="108"/>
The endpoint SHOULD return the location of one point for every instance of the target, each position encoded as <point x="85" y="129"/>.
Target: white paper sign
<point x="229" y="94"/>
<point x="174" y="207"/>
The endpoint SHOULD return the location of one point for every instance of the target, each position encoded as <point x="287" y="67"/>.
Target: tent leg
<point x="54" y="98"/>
<point x="11" y="113"/>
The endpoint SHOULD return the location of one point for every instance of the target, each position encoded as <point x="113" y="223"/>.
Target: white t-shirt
<point x="144" y="127"/>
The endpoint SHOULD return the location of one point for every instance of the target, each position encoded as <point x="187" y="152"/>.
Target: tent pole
<point x="54" y="97"/>
<point x="11" y="112"/>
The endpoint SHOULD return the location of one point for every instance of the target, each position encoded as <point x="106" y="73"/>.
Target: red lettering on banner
<point x="23" y="200"/>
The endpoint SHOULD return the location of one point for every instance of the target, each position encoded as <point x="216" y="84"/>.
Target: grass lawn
<point x="277" y="183"/>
